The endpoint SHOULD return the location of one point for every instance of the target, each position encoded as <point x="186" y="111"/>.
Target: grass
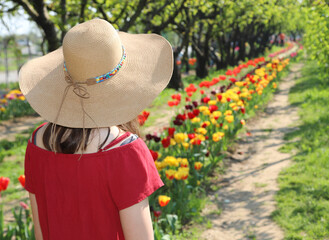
<point x="12" y="165"/>
<point x="303" y="199"/>
<point x="11" y="85"/>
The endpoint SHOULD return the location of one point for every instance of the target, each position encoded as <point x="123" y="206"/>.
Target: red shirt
<point x="81" y="199"/>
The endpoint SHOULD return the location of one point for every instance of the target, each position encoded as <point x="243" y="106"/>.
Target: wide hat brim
<point x="145" y="73"/>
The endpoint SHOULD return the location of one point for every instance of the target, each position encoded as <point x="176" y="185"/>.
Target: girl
<point x="87" y="171"/>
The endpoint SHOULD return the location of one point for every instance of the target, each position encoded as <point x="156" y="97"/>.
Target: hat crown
<point x="91" y="49"/>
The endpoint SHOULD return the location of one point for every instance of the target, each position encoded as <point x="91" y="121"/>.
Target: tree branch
<point x="28" y="8"/>
<point x="171" y="19"/>
<point x="128" y="24"/>
<point x="101" y="10"/>
<point x="82" y="11"/>
<point x="121" y="12"/>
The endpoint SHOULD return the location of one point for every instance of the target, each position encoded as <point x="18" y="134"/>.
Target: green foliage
<point x="16" y="108"/>
<point x="21" y="228"/>
<point x="316" y="36"/>
<point x="303" y="200"/>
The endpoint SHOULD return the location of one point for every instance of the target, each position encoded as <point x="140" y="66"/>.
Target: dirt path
<point x="248" y="187"/>
<point x="9" y="129"/>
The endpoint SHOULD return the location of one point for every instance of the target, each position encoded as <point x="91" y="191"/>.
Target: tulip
<point x="188" y="107"/>
<point x="222" y="77"/>
<point x="213" y="108"/>
<point x="198" y="165"/>
<point x="178" y="122"/>
<point x="4" y="181"/>
<point x="205" y="99"/>
<point x="191" y="135"/>
<point x="24" y="205"/>
<point x="165" y="142"/>
<point x="148" y="137"/>
<point x="195" y="104"/>
<point x="182" y="173"/>
<point x="190" y="115"/>
<point x="163" y="200"/>
<point x="181" y="117"/>
<point x="157" y="214"/>
<point x="184" y="163"/>
<point x="154" y="154"/>
<point x="156" y="138"/>
<point x="196" y="112"/>
<point x="21" y="179"/>
<point x="170" y="174"/>
<point x="171" y="131"/>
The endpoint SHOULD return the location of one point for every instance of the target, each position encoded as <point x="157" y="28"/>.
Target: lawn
<point x="303" y="199"/>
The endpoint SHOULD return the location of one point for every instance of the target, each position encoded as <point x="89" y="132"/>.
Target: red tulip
<point x="233" y="80"/>
<point x="171" y="131"/>
<point x="191" y="135"/>
<point x="4" y="181"/>
<point x="181" y="117"/>
<point x="222" y="77"/>
<point x="21" y="179"/>
<point x="190" y="115"/>
<point x="196" y="112"/>
<point x="204" y="125"/>
<point x="188" y="107"/>
<point x="146" y="114"/>
<point x="171" y="103"/>
<point x="157" y="213"/>
<point x="177" y="96"/>
<point x="178" y="122"/>
<point x="229" y="72"/>
<point x="154" y="154"/>
<point x="141" y="120"/>
<point x="165" y="142"/>
<point x="196" y="142"/>
<point x="205" y="99"/>
<point x="213" y="108"/>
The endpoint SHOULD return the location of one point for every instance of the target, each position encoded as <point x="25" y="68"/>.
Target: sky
<point x="18" y="24"/>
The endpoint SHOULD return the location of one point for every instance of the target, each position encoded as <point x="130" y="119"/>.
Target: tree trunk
<point x="176" y="78"/>
<point x="201" y="66"/>
<point x="5" y="48"/>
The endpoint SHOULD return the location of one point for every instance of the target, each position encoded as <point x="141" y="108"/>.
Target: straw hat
<point x="99" y="77"/>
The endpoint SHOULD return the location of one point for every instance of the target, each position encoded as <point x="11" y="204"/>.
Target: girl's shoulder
<point x="116" y="138"/>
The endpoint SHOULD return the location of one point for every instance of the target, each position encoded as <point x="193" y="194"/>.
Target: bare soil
<point x="247" y="189"/>
<point x="10" y="128"/>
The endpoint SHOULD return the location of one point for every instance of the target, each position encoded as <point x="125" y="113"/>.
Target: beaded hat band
<point x="106" y="76"/>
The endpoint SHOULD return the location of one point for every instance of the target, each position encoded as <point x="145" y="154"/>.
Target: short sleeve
<point x="132" y="174"/>
<point x="29" y="186"/>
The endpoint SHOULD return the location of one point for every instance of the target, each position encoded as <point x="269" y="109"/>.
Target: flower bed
<point x="193" y="144"/>
<point x="13" y="104"/>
